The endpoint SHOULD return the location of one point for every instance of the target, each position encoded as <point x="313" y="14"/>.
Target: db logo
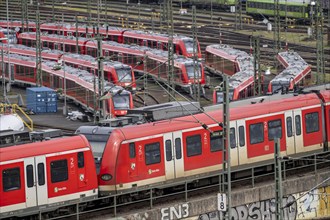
<point x="81" y="177"/>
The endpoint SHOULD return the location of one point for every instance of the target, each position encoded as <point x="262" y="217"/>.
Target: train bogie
<point x="45" y="175"/>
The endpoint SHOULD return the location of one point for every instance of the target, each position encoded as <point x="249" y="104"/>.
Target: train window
<point x="41" y="174"/>
<point x="168" y="147"/>
<point x="132" y="150"/>
<point x="241" y="136"/>
<point x="59" y="171"/>
<point x="81" y="161"/>
<point x="289" y="126"/>
<point x="274" y="129"/>
<point x="178" y="152"/>
<point x="152" y="153"/>
<point x="256" y="133"/>
<point x="194" y="145"/>
<point x="232" y="138"/>
<point x="29" y="176"/>
<point x="312" y="122"/>
<point x="11" y="179"/>
<point x="216" y="141"/>
<point x="298" y="124"/>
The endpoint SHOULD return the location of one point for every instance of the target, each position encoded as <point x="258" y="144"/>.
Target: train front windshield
<point x="124" y="74"/>
<point x="11" y="35"/>
<point x="189" y="44"/>
<point x="220" y="96"/>
<point x="191" y="72"/>
<point x="121" y="101"/>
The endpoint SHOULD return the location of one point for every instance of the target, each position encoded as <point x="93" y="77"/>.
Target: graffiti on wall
<point x="306" y="205"/>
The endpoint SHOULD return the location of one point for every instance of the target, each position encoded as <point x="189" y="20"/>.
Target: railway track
<point x="149" y="17"/>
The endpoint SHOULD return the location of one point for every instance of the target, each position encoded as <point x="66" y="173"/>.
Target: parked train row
<point x="79" y="85"/>
<point x="187" y="73"/>
<point x="115" y="72"/>
<point x="41" y="176"/>
<point x="182" y="45"/>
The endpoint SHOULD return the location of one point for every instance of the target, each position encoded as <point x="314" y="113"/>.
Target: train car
<point x="81" y="86"/>
<point x="294" y="74"/>
<point x="297" y="9"/>
<point x="183" y="45"/>
<point x="17" y="25"/>
<point x="53" y="41"/>
<point x="67" y="29"/>
<point x="222" y="59"/>
<point x="160" y="154"/>
<point x="238" y="65"/>
<point x="114" y="71"/>
<point x="46" y="175"/>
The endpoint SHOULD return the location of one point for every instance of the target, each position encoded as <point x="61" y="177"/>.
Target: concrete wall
<point x="253" y="203"/>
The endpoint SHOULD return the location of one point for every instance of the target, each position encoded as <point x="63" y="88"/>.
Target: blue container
<point x="41" y="100"/>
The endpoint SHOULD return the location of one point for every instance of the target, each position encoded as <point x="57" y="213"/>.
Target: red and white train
<point x="81" y="86"/>
<point x="186" y="75"/>
<point x="157" y="154"/>
<point x="163" y="154"/>
<point x="46" y="174"/>
<point x="223" y="59"/>
<point x="183" y="45"/>
<point x="296" y="70"/>
<point x="118" y="73"/>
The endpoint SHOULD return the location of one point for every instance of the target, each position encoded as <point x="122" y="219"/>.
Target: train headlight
<point x="106" y="177"/>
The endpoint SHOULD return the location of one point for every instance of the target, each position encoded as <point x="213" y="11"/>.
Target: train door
<point x="297" y="131"/>
<point x="178" y="158"/>
<point x="30" y="183"/>
<point x="233" y="143"/>
<point x="169" y="159"/>
<point x="173" y="155"/>
<point x="241" y="142"/>
<point x="290" y="134"/>
<point x="41" y="183"/>
<point x="35" y="180"/>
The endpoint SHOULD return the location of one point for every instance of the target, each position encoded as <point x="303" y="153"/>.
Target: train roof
<point x="290" y="73"/>
<point x="32" y="49"/>
<point x="296" y="67"/>
<point x="54" y="36"/>
<point x="44" y="148"/>
<point x="240" y="77"/>
<point x="149" y="35"/>
<point x="246" y="112"/>
<point x="291" y="58"/>
<point x="226" y="51"/>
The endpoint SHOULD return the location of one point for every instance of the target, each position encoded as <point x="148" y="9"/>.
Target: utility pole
<point x="100" y="73"/>
<point x="256" y="60"/>
<point x="226" y="163"/>
<point x="277" y="27"/>
<point x="238" y="14"/>
<point x="278" y="179"/>
<point x="77" y="35"/>
<point x="145" y="80"/>
<point x="53" y="11"/>
<point x="3" y="76"/>
<point x="320" y="72"/>
<point x="24" y="14"/>
<point x="89" y="12"/>
<point x="196" y="72"/>
<point x="38" y="49"/>
<point x="9" y="65"/>
<point x="170" y="31"/>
